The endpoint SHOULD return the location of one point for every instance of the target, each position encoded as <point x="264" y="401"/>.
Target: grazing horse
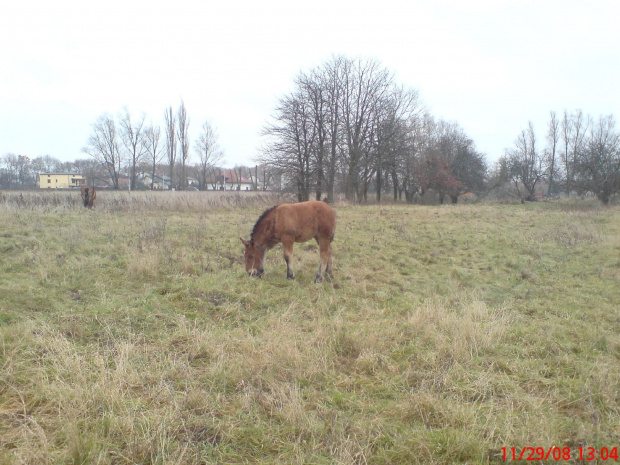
<point x="88" y="196"/>
<point x="289" y="223"/>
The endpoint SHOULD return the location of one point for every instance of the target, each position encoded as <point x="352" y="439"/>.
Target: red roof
<point x="230" y="178"/>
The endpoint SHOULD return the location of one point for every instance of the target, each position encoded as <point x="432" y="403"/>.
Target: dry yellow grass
<point x="131" y="334"/>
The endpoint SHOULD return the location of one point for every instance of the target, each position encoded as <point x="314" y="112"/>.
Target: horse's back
<point x="305" y="220"/>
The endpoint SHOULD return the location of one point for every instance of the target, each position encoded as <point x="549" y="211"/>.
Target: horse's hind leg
<point x="325" y="250"/>
<point x="328" y="268"/>
<point x="288" y="256"/>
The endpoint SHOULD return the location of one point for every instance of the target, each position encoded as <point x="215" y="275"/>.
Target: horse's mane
<point x="261" y="218"/>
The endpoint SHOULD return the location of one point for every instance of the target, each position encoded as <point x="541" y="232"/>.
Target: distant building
<point x="61" y="180"/>
<point x="108" y="183"/>
<point x="159" y="182"/>
<point x="228" y="180"/>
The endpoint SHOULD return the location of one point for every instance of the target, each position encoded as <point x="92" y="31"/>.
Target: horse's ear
<point x="246" y="243"/>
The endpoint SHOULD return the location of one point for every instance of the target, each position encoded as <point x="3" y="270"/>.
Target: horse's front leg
<point x="261" y="267"/>
<point x="287" y="243"/>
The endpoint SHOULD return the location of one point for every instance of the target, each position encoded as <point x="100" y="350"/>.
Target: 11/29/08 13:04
<point x="587" y="454"/>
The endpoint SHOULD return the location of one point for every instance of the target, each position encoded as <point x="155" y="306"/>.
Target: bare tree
<point x="216" y="179"/>
<point x="525" y="165"/>
<point x="133" y="140"/>
<point x="152" y="135"/>
<point x="237" y="171"/>
<point x="413" y="142"/>
<point x="553" y="140"/>
<point x="209" y="153"/>
<point x="566" y="127"/>
<point x="574" y="129"/>
<point x="11" y="163"/>
<point x="315" y="93"/>
<point x="597" y="169"/>
<point x="93" y="171"/>
<point x="290" y="144"/>
<point x="348" y="122"/>
<point x="183" y="136"/>
<point x="38" y="167"/>
<point x="332" y="118"/>
<point x="46" y="164"/>
<point x="254" y="177"/>
<point x="171" y="141"/>
<point x="451" y="163"/>
<point x="263" y="177"/>
<point x="23" y="168"/>
<point x="394" y="134"/>
<point x="103" y="146"/>
<point x="331" y="77"/>
<point x="365" y="90"/>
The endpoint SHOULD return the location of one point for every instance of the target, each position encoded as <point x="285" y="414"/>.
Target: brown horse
<point x="88" y="196"/>
<point x="289" y="223"/>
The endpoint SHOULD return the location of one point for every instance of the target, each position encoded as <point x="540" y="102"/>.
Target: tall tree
<point x="553" y="140"/>
<point x="460" y="158"/>
<point x="183" y="137"/>
<point x="23" y="169"/>
<point x="152" y="135"/>
<point x="94" y="172"/>
<point x="104" y="146"/>
<point x="209" y="153"/>
<point x="525" y="165"/>
<point x="314" y="92"/>
<point x="414" y="142"/>
<point x="348" y="121"/>
<point x="171" y="142"/>
<point x="395" y="128"/>
<point x="290" y="141"/>
<point x="574" y="128"/>
<point x="330" y="75"/>
<point x="597" y="169"/>
<point x="366" y="87"/>
<point x="132" y="137"/>
<point x="11" y="163"/>
<point x="47" y="164"/>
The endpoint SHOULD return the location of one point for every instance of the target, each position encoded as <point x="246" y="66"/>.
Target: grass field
<point x="130" y="333"/>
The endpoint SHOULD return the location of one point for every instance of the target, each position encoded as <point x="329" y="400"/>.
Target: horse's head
<point x="253" y="256"/>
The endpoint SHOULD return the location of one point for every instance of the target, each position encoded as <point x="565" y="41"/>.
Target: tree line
<point x="580" y="155"/>
<point x="22" y="172"/>
<point x="126" y="145"/>
<point x="348" y="126"/>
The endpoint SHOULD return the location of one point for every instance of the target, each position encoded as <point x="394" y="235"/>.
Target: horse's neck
<point x="265" y="234"/>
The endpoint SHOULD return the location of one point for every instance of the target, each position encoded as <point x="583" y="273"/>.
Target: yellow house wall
<point x="59" y="181"/>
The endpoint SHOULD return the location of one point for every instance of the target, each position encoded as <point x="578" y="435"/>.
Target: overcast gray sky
<point x="490" y="65"/>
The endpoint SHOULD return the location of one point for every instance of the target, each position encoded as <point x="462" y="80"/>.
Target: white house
<point x="228" y="180"/>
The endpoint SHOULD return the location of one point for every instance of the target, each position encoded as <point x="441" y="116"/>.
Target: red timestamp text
<point x="518" y="454"/>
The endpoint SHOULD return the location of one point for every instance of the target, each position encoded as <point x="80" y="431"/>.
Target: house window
<point x="49" y="181"/>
